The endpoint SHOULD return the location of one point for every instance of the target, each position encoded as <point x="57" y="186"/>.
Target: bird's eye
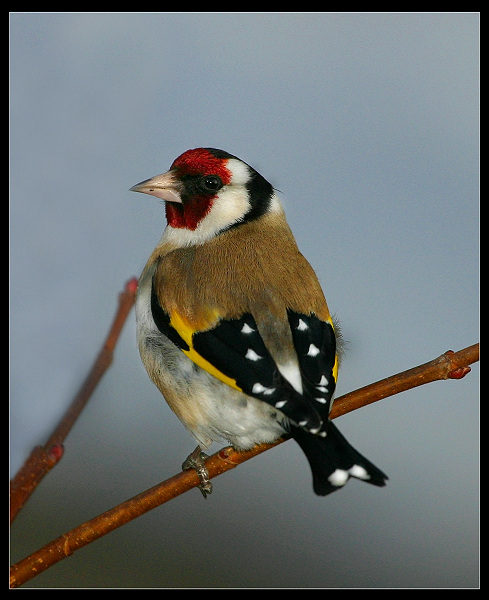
<point x="211" y="183"/>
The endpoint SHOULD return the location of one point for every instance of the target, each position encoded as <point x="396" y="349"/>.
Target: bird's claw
<point x="196" y="460"/>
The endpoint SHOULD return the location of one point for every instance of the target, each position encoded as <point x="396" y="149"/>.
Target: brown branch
<point x="451" y="365"/>
<point x="43" y="458"/>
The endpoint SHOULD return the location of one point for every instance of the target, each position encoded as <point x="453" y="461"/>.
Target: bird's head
<point x="208" y="191"/>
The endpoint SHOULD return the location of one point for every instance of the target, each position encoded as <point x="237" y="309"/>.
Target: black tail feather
<point x="333" y="460"/>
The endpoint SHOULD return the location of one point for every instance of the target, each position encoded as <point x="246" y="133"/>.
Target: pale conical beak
<point x="165" y="186"/>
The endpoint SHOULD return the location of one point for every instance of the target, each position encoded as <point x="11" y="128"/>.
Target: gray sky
<point x="368" y="124"/>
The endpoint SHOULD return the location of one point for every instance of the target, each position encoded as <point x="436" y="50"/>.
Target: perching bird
<point x="232" y="324"/>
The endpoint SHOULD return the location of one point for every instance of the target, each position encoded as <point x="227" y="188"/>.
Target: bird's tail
<point x="333" y="460"/>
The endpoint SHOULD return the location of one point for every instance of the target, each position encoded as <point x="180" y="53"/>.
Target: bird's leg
<point x="196" y="460"/>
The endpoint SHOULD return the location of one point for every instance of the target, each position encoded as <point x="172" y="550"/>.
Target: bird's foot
<point x="196" y="460"/>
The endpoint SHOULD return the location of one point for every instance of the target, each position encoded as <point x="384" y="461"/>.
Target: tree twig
<point x="450" y="365"/>
<point x="43" y="458"/>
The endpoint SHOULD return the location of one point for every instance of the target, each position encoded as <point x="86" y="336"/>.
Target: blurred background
<point x="368" y="124"/>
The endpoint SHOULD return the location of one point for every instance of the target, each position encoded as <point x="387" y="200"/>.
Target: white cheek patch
<point x="229" y="207"/>
<point x="240" y="172"/>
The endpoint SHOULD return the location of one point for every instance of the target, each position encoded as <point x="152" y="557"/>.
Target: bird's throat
<point x="189" y="214"/>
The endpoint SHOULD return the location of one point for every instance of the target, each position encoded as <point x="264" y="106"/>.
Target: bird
<point x="232" y="324"/>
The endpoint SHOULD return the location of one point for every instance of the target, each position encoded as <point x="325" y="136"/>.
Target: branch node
<point x="67" y="551"/>
<point x="226" y="455"/>
<point x="458" y="371"/>
<point x="54" y="454"/>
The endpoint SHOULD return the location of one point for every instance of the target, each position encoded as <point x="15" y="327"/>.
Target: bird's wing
<point x="234" y="351"/>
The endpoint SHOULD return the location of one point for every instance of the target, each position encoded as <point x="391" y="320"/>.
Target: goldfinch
<point x="232" y="324"/>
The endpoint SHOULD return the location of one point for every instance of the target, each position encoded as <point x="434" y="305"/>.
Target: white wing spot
<point x="320" y="400"/>
<point x="247" y="329"/>
<point x="302" y="326"/>
<point x="338" y="477"/>
<point x="280" y="403"/>
<point x="323" y="381"/>
<point x="313" y="350"/>
<point x="292" y="373"/>
<point x="252" y="355"/>
<point x="321" y="388"/>
<point x="258" y="388"/>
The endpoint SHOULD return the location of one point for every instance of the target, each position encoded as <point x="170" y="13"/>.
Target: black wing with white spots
<point x="236" y="350"/>
<point x="315" y="344"/>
